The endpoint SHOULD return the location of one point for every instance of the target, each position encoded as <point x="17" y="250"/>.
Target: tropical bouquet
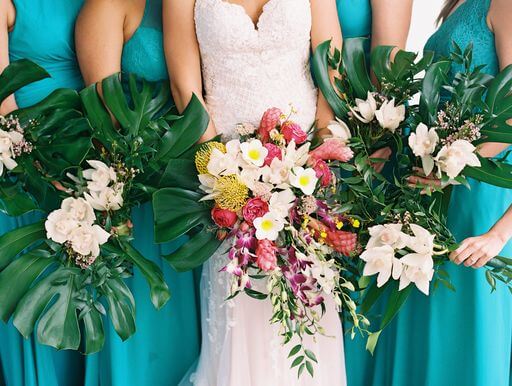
<point x="82" y="165"/>
<point x="271" y="198"/>
<point x="404" y="235"/>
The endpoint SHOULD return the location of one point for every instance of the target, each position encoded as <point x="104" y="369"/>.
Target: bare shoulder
<point x="7" y="13"/>
<point x="500" y="13"/>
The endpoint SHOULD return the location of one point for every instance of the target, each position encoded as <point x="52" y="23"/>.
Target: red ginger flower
<point x="271" y="118"/>
<point x="333" y="149"/>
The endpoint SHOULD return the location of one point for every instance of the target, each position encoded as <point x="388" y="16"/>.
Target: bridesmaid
<point x="385" y="22"/>
<point x="42" y="31"/>
<point x="462" y="337"/>
<point x="127" y="35"/>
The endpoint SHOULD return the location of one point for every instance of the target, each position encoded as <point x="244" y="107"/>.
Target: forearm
<point x="503" y="228"/>
<point x="492" y="149"/>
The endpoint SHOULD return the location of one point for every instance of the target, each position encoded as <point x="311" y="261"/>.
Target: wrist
<point x="503" y="235"/>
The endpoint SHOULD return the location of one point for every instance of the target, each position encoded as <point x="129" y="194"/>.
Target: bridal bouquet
<point x="66" y="160"/>
<point x="271" y="200"/>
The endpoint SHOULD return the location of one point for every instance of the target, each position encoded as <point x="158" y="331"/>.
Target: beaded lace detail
<point x="248" y="68"/>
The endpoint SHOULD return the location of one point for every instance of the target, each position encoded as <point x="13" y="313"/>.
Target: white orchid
<point x="100" y="176"/>
<point x="422" y="242"/>
<point x="382" y="261"/>
<point x="387" y="234"/>
<point x="59" y="225"/>
<point x="278" y="173"/>
<point x="79" y="209"/>
<point x="452" y="159"/>
<point x="365" y="109"/>
<point x="340" y="130"/>
<point x="268" y="226"/>
<point x="325" y="274"/>
<point x="108" y="199"/>
<point x="390" y="116"/>
<point x="423" y="143"/>
<point x="420" y="276"/>
<point x="304" y="179"/>
<point x="281" y="203"/>
<point x="294" y="156"/>
<point x="225" y="164"/>
<point x="254" y="152"/>
<point x="86" y="240"/>
<point x="207" y="183"/>
<point x="250" y="175"/>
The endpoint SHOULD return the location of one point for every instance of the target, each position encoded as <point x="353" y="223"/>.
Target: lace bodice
<point x="249" y="68"/>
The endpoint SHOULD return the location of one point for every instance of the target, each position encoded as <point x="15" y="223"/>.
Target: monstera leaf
<point x="19" y="74"/>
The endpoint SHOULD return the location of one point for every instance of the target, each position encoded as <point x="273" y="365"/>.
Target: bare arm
<point x="183" y="56"/>
<point x="100" y="36"/>
<point x="325" y="26"/>
<point x="391" y="22"/>
<point x="7" y="19"/>
<point x="499" y="21"/>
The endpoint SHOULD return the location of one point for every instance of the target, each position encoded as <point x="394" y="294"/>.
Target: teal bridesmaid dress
<point x="166" y="343"/>
<point x="43" y="33"/>
<point x="452" y="338"/>
<point x="355" y="17"/>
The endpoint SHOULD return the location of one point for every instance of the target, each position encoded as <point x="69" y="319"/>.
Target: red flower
<point x="292" y="131"/>
<point x="254" y="209"/>
<point x="323" y="172"/>
<point x="266" y="255"/>
<point x="341" y="241"/>
<point x="333" y="149"/>
<point x="224" y="218"/>
<point x="271" y="118"/>
<point x="273" y="152"/>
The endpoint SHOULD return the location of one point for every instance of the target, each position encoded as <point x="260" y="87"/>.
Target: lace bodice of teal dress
<point x="467" y="25"/>
<point x="44" y="33"/>
<point x="143" y="54"/>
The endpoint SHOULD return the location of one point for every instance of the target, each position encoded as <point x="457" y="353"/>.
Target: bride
<point x="245" y="56"/>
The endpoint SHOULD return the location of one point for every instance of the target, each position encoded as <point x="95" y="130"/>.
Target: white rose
<point x="100" y="176"/>
<point x="388" y="234"/>
<point x="59" y="225"/>
<point x="79" y="209"/>
<point x="365" y="109"/>
<point x="108" y="199"/>
<point x="86" y="240"/>
<point x="389" y="116"/>
<point x="452" y="159"/>
<point x="423" y="143"/>
<point x="381" y="261"/>
<point x="339" y="129"/>
<point x="5" y="142"/>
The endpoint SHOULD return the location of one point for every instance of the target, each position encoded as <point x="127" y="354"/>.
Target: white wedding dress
<point x="246" y="70"/>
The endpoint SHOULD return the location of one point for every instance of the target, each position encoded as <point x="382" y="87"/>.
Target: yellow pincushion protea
<point x="203" y="155"/>
<point x="231" y="193"/>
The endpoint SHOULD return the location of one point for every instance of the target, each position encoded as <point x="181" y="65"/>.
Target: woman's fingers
<point x="474" y="257"/>
<point x="464" y="248"/>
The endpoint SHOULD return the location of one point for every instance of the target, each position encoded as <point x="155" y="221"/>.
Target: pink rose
<point x="323" y="172"/>
<point x="271" y="118"/>
<point x="266" y="255"/>
<point x="333" y="149"/>
<point x="273" y="152"/>
<point x="292" y="131"/>
<point x="224" y="218"/>
<point x="254" y="209"/>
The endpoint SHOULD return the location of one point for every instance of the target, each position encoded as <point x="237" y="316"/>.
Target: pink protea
<point x="292" y="131"/>
<point x="273" y="152"/>
<point x="266" y="255"/>
<point x="323" y="172"/>
<point x="332" y="149"/>
<point x="271" y="118"/>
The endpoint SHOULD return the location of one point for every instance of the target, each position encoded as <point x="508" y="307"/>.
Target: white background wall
<point x="423" y="23"/>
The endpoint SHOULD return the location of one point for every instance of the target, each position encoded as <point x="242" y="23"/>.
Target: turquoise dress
<point x="355" y="17"/>
<point x="43" y="33"/>
<point x="167" y="341"/>
<point x="452" y="338"/>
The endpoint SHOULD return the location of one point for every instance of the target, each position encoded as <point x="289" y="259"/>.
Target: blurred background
<point x="423" y="23"/>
